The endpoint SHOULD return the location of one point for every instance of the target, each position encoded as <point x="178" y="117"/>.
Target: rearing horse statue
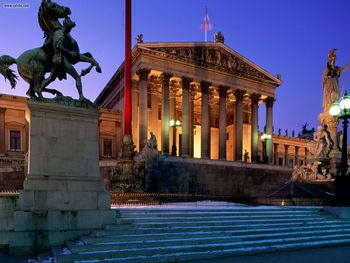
<point x="33" y="64"/>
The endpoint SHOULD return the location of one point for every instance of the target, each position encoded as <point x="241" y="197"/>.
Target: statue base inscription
<point x="64" y="195"/>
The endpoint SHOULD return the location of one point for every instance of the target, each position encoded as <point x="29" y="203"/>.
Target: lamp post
<point x="264" y="137"/>
<point x="341" y="110"/>
<point x="174" y="124"/>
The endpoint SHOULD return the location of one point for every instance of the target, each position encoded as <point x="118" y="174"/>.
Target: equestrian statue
<point x="57" y="56"/>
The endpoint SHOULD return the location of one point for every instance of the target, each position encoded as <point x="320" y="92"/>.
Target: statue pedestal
<point x="125" y="178"/>
<point x="64" y="195"/>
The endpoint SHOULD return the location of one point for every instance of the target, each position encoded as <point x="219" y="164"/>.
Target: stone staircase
<point x="172" y="235"/>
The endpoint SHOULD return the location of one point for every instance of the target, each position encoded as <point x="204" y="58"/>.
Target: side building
<point x="14" y="140"/>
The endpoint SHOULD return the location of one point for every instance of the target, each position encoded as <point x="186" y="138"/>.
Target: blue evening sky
<point x="291" y="37"/>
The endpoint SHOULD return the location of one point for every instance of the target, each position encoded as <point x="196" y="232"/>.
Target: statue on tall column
<point x="57" y="55"/>
<point x="330" y="80"/>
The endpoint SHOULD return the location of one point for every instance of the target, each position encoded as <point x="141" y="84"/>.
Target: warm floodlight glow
<point x="178" y="123"/>
<point x="172" y="123"/>
<point x="265" y="136"/>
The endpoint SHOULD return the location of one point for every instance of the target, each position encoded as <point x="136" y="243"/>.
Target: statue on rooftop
<point x="330" y="80"/>
<point x="57" y="55"/>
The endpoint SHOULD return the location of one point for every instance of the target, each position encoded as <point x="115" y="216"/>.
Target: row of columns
<point x="169" y="102"/>
<point x="286" y="154"/>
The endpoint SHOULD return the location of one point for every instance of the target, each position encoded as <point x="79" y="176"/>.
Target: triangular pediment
<point x="215" y="56"/>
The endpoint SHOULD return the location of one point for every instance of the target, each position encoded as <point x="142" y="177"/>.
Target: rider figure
<point x="66" y="50"/>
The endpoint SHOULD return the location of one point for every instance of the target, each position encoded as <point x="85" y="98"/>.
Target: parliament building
<point x="211" y="90"/>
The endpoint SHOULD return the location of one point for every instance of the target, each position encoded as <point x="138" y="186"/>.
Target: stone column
<point x="143" y="111"/>
<point x="172" y="114"/>
<point x="254" y="128"/>
<point x="135" y="114"/>
<point x="165" y="113"/>
<point x="296" y="156"/>
<point x="286" y="156"/>
<point x="239" y="124"/>
<point x="269" y="122"/>
<point x="222" y="122"/>
<point x="191" y="113"/>
<point x="185" y="150"/>
<point x="2" y="131"/>
<point x="205" y="121"/>
<point x="275" y="153"/>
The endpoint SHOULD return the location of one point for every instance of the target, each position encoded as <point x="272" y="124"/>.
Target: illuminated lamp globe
<point x="334" y="109"/>
<point x="345" y="102"/>
<point x="178" y="123"/>
<point x="172" y="123"/>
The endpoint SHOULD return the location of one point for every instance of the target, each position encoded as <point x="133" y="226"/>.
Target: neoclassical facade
<point x="211" y="89"/>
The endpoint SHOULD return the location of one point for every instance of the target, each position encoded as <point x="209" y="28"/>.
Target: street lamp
<point x="264" y="137"/>
<point x="174" y="124"/>
<point x="341" y="110"/>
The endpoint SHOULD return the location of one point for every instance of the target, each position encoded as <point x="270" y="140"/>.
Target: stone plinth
<point x="64" y="195"/>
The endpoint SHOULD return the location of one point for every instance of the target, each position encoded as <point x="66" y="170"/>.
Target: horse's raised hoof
<point x="98" y="69"/>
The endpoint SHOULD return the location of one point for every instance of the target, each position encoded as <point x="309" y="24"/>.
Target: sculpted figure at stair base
<point x="321" y="144"/>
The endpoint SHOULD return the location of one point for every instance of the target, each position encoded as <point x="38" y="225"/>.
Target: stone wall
<point x="11" y="173"/>
<point x="217" y="178"/>
<point x="7" y="205"/>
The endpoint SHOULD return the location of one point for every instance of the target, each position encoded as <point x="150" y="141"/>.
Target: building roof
<point x="221" y="64"/>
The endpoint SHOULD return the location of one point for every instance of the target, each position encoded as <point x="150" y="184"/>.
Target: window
<point x="15" y="140"/>
<point x="107" y="147"/>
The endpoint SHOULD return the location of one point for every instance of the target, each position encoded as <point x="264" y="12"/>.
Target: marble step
<point x="130" y="214"/>
<point x="141" y="227"/>
<point x="217" y="218"/>
<point x="179" y="250"/>
<point x="207" y="233"/>
<point x="79" y="247"/>
<point x="258" y="209"/>
<point x="190" y="256"/>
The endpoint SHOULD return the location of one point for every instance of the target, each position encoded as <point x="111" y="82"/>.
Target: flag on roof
<point x="206" y="24"/>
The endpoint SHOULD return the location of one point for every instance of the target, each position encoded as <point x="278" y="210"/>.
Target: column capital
<point x="269" y="101"/>
<point x="205" y="83"/>
<point x="255" y="98"/>
<point x="143" y="73"/>
<point x="239" y="94"/>
<point x="223" y="90"/>
<point x="186" y="81"/>
<point x="165" y="78"/>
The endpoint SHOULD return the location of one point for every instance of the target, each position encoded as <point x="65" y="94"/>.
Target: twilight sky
<point x="291" y="37"/>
